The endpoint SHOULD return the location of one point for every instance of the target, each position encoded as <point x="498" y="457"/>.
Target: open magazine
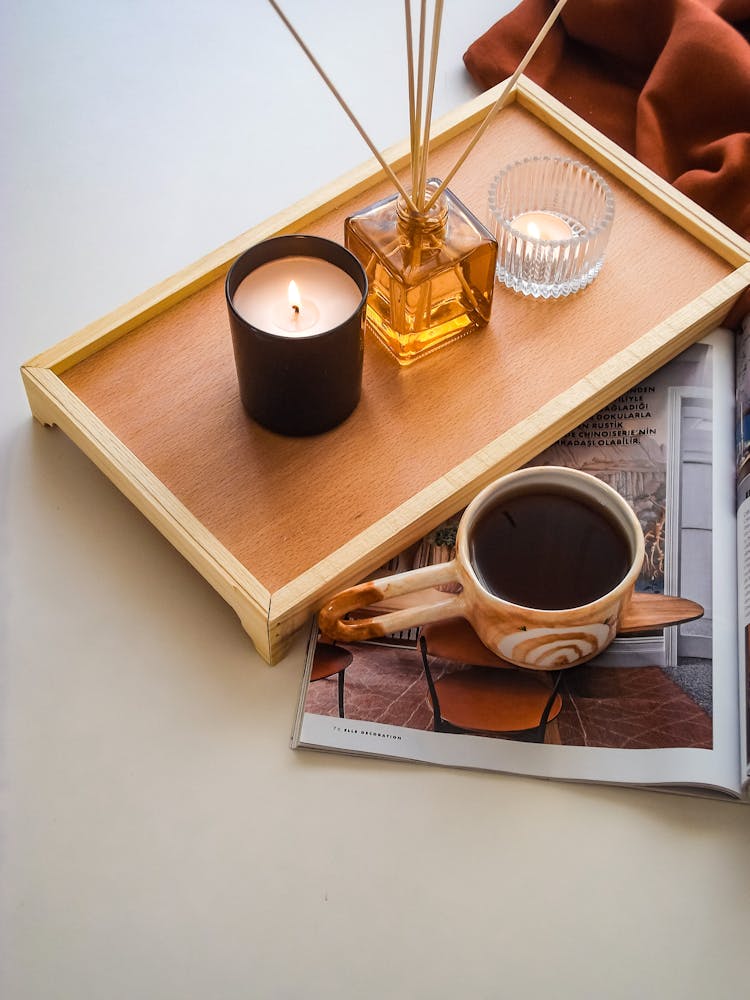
<point x="667" y="708"/>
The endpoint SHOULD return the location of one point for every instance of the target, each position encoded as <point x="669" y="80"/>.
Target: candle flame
<point x="295" y="300"/>
<point x="534" y="230"/>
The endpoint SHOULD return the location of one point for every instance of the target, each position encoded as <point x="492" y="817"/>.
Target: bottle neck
<point x="431" y="222"/>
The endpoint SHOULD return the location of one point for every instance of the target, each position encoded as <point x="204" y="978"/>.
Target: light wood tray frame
<point x="537" y="371"/>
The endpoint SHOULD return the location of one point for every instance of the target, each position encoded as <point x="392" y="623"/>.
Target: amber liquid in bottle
<point x="431" y="275"/>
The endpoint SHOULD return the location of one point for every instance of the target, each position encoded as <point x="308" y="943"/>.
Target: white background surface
<point x="159" y="839"/>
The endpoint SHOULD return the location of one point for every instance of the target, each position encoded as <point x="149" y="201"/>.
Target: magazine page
<point x="743" y="534"/>
<point x="659" y="708"/>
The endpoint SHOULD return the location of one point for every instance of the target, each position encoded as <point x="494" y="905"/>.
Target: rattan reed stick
<point x="410" y="77"/>
<point x="498" y="103"/>
<point x="376" y="153"/>
<point x="419" y="101"/>
<point x="424" y="150"/>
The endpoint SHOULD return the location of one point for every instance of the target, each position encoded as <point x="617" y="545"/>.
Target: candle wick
<point x="295" y="310"/>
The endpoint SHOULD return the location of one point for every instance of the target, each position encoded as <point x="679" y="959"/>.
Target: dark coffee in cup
<point x="547" y="559"/>
<point x="548" y="549"/>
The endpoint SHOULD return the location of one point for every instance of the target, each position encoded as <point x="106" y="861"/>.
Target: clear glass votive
<point x="551" y="217"/>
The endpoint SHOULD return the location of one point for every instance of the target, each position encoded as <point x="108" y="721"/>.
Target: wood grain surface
<point x="653" y="612"/>
<point x="169" y="390"/>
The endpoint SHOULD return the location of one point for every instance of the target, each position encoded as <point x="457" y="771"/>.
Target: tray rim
<point x="272" y="618"/>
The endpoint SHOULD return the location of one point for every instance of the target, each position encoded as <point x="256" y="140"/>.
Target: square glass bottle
<point x="431" y="275"/>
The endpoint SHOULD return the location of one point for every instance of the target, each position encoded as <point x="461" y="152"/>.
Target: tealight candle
<point x="552" y="217"/>
<point x="542" y="226"/>
<point x="296" y="310"/>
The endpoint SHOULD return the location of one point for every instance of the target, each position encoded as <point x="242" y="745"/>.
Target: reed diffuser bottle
<point x="430" y="263"/>
<point x="430" y="272"/>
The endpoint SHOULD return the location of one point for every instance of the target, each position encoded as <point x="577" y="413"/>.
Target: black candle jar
<point x="299" y="383"/>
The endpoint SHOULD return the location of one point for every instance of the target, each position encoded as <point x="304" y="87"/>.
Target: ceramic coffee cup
<point x="547" y="559"/>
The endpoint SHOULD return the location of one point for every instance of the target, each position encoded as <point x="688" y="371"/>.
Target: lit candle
<point x="296" y="312"/>
<point x="542" y="226"/>
<point x="297" y="296"/>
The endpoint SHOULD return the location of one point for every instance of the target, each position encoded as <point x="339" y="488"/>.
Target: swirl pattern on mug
<point x="548" y="648"/>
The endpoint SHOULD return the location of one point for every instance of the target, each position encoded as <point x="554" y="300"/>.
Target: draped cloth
<point x="668" y="80"/>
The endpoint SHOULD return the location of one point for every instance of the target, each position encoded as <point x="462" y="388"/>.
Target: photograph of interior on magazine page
<point x="647" y="709"/>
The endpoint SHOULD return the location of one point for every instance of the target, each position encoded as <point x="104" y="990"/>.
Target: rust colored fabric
<point x="668" y="80"/>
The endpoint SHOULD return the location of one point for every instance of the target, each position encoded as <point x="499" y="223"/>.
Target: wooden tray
<point x="276" y="525"/>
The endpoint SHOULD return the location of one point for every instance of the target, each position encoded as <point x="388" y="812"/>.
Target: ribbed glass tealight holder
<point x="552" y="218"/>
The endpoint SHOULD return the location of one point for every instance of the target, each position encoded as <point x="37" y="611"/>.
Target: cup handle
<point x="330" y="619"/>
